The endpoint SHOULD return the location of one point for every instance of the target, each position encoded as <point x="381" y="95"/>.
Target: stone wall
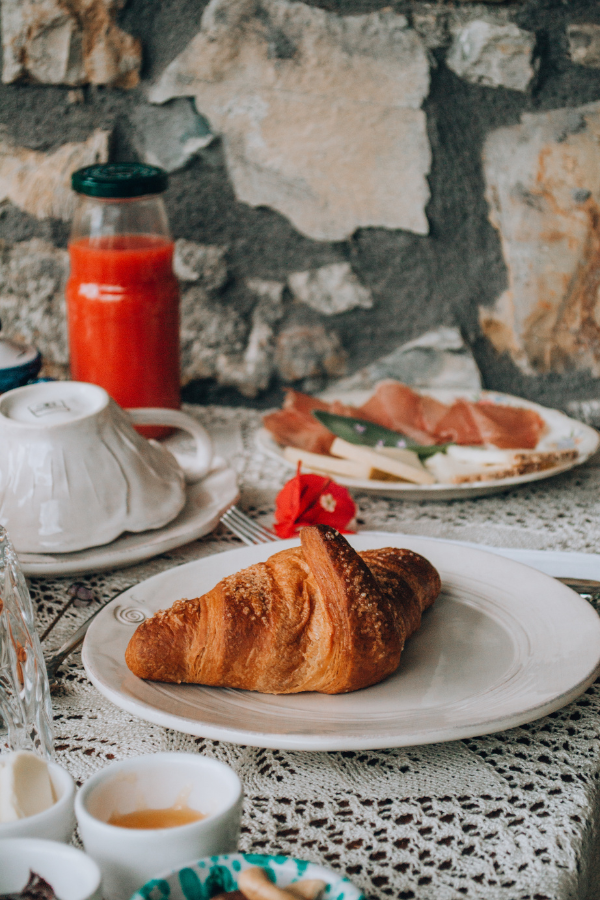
<point x="345" y="176"/>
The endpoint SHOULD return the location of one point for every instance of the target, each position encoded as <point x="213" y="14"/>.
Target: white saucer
<point x="207" y="500"/>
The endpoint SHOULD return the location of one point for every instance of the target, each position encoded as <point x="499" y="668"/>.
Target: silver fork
<point x="241" y="525"/>
<point x="245" y="528"/>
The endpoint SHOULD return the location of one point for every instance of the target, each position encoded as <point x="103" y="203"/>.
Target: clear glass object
<point x="25" y="707"/>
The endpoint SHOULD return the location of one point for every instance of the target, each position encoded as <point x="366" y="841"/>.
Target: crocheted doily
<point x="510" y="816"/>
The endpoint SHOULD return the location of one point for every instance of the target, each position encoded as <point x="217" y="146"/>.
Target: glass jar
<point x="122" y="294"/>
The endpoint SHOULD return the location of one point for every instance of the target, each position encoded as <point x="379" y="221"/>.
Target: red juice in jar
<point x="122" y="295"/>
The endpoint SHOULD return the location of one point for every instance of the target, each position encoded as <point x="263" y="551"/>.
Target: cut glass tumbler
<point x="25" y="707"/>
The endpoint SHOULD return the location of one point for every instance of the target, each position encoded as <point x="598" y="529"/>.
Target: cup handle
<point x="197" y="468"/>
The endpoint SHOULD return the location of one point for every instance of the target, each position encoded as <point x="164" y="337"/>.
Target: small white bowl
<point x="57" y="822"/>
<point x="128" y="857"/>
<point x="72" y="874"/>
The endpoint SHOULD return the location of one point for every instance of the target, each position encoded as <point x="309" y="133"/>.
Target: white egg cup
<point x="71" y="873"/>
<point x="128" y="857"/>
<point x="55" y="823"/>
<point x="75" y="474"/>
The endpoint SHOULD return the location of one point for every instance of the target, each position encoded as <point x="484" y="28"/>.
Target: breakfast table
<point x="507" y="816"/>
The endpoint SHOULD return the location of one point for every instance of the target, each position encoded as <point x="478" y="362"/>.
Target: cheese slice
<point x="369" y="457"/>
<point x="407" y="456"/>
<point x="481" y="456"/>
<point x="25" y="786"/>
<point x="327" y="464"/>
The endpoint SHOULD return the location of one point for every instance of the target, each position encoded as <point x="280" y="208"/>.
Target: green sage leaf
<point x="359" y="431"/>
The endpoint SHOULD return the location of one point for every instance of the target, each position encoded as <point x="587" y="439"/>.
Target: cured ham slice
<point x="295" y="426"/>
<point x="458" y="425"/>
<point x="433" y="412"/>
<point x="508" y="427"/>
<point x="421" y="418"/>
<point x="305" y="403"/>
<point x="397" y="407"/>
<point x="291" y="428"/>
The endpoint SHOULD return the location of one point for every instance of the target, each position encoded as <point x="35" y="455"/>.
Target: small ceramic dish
<point x="57" y="822"/>
<point x="205" y="878"/>
<point x="72" y="874"/>
<point x="161" y="781"/>
<point x="18" y="364"/>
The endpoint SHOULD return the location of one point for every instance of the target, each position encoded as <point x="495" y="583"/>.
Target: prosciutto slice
<point x="397" y="407"/>
<point x="458" y="425"/>
<point x="508" y="427"/>
<point x="295" y="426"/>
<point x="421" y="418"/>
<point x="291" y="428"/>
<point x="304" y="403"/>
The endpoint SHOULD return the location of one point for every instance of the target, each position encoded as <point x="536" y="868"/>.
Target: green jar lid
<point x="119" y="180"/>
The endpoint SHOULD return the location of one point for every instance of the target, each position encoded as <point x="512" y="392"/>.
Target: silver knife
<point x="54" y="662"/>
<point x="581" y="585"/>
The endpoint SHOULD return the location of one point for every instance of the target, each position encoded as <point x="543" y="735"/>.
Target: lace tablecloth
<point x="510" y="816"/>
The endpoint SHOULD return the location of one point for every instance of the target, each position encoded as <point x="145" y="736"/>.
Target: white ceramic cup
<point x="72" y="874"/>
<point x="75" y="474"/>
<point x="128" y="857"/>
<point x="55" y="823"/>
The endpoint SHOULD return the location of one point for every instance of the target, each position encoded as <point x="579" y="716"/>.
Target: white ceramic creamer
<point x="75" y="474"/>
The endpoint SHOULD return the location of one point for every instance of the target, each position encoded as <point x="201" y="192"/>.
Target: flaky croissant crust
<point x="319" y="617"/>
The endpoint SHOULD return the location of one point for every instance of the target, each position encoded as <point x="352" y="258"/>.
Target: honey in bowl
<point x="171" y="817"/>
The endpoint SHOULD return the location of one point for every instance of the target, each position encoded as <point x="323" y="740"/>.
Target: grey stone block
<point x="169" y="136"/>
<point x="437" y="359"/>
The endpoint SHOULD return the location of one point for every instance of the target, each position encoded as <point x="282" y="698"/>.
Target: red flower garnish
<point x="312" y="500"/>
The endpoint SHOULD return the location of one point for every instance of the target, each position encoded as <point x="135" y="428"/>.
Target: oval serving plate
<point x="504" y="644"/>
<point x="563" y="433"/>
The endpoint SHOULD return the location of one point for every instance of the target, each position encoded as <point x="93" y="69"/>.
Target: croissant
<point x="320" y="617"/>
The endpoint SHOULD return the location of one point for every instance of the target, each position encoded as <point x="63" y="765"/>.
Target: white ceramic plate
<point x="207" y="500"/>
<point x="562" y="433"/>
<point x="503" y="645"/>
